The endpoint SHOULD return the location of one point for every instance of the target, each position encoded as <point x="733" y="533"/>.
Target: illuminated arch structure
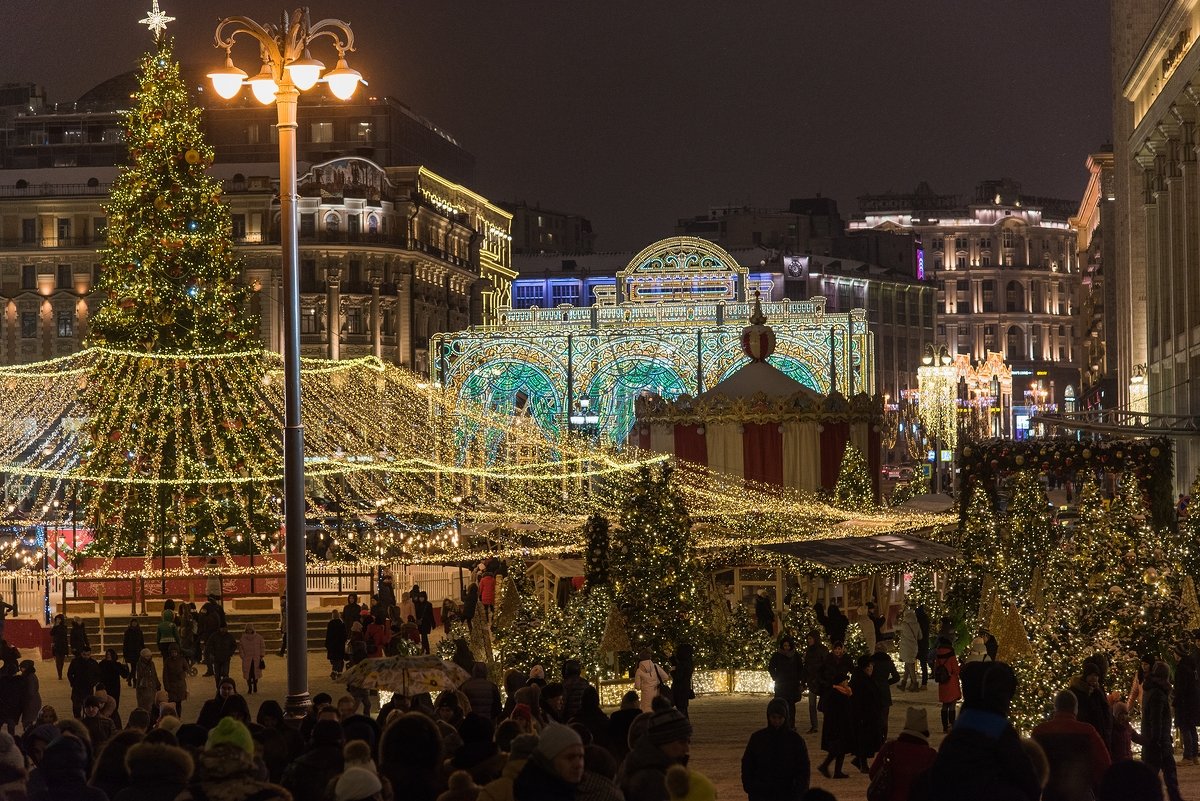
<point x="670" y="326"/>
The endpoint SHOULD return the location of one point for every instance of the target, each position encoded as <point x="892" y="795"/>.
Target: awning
<point x="562" y="568"/>
<point x="881" y="549"/>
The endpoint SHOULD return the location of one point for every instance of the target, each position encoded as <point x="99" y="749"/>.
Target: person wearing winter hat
<point x="520" y="750"/>
<point x="357" y="784"/>
<point x="667" y="742"/>
<point x="688" y="785"/>
<point x="227" y="768"/>
<point x="460" y="787"/>
<point x="555" y="769"/>
<point x="157" y="772"/>
<point x="62" y="773"/>
<point x="907" y="756"/>
<point x="775" y="763"/>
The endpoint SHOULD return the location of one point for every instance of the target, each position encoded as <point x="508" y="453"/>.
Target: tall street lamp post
<point x="288" y="69"/>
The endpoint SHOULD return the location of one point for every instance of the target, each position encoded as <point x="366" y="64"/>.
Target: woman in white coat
<point x="910" y="635"/>
<point x="648" y="678"/>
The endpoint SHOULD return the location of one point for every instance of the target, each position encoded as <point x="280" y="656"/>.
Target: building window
<point x="364" y="131"/>
<point x="564" y="293"/>
<point x="355" y="274"/>
<point x="29" y="230"/>
<point x="308" y="321"/>
<point x="308" y="275"/>
<point x="527" y="295"/>
<point x="28" y="276"/>
<point x="989" y="296"/>
<point x="29" y="325"/>
<point x="65" y="281"/>
<point x="354" y="320"/>
<point x="985" y="261"/>
<point x="372" y="224"/>
<point x="308" y="224"/>
<point x="960" y="262"/>
<point x="332" y="223"/>
<point x="72" y="136"/>
<point x="939" y="243"/>
<point x="960" y="243"/>
<point x="252" y="134"/>
<point x="985" y="242"/>
<point x="353" y="223"/>
<point x="64" y="229"/>
<point x="66" y="323"/>
<point x="321" y="132"/>
<point x="1008" y="239"/>
<point x="239" y="225"/>
<point x="962" y="296"/>
<point x="989" y="337"/>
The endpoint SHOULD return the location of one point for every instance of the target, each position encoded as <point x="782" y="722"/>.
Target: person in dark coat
<point x="619" y="723"/>
<point x="351" y="611"/>
<point x="78" y="637"/>
<point x="592" y="717"/>
<point x="833" y="621"/>
<point x="59" y="643"/>
<point x="775" y="764"/>
<point x="682" y="691"/>
<point x="1157" y="751"/>
<point x="309" y="774"/>
<point x="983" y="751"/>
<point x="425" y="619"/>
<point x="866" y="705"/>
<point x="1093" y="700"/>
<point x="923" y="644"/>
<point x="471" y="604"/>
<point x="837" y="729"/>
<point x="281" y="743"/>
<point x="410" y="757"/>
<point x="885" y="675"/>
<point x="113" y="672"/>
<point x="666" y="742"/>
<point x="815" y="654"/>
<point x="764" y="615"/>
<point x="483" y="693"/>
<point x="1186" y="702"/>
<point x="132" y="643"/>
<point x="786" y="669"/>
<point x="335" y="644"/>
<point x="83" y="674"/>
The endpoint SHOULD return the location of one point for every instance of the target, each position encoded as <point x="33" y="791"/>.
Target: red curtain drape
<point x="690" y="444"/>
<point x="641" y="437"/>
<point x="834" y="437"/>
<point x="762" y="452"/>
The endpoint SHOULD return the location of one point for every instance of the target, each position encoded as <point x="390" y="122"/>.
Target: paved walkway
<point x="723" y="724"/>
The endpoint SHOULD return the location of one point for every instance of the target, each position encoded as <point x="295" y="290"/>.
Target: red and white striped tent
<point x="763" y="425"/>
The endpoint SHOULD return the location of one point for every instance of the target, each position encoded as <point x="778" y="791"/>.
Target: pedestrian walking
<point x="815" y="654"/>
<point x="146" y="684"/>
<point x="59" y="643"/>
<point x="649" y="679"/>
<point x="166" y="634"/>
<point x="786" y="669"/>
<point x="174" y="677"/>
<point x="836" y="728"/>
<point x="132" y="643"/>
<point x="775" y="765"/>
<point x="903" y="760"/>
<point x="946" y="676"/>
<point x="335" y="644"/>
<point x="1157" y="751"/>
<point x="866" y="707"/>
<point x="909" y="651"/>
<point x="254" y="651"/>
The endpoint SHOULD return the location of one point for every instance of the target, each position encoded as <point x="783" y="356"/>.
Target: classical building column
<point x="404" y="318"/>
<point x="333" y="288"/>
<point x="376" y="317"/>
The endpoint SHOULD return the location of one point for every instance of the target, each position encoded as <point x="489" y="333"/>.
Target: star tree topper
<point x="156" y="20"/>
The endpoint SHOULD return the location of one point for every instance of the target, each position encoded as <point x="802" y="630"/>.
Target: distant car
<point x="906" y="474"/>
<point x="891" y="471"/>
<point x="1067" y="519"/>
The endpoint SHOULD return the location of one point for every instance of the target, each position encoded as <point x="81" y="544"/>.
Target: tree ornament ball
<point x="1155" y="452"/>
<point x="1087" y="454"/>
<point x="1150" y="576"/>
<point x="1020" y="460"/>
<point x="160" y="202"/>
<point x="114" y="435"/>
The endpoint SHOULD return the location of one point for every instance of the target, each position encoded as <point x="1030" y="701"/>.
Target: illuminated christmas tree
<point x="1025" y="538"/>
<point x="180" y="450"/>
<point x="656" y="580"/>
<point x="980" y="547"/>
<point x="853" y="490"/>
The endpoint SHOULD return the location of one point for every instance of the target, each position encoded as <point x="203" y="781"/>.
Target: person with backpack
<point x="649" y="679"/>
<point x="945" y="674"/>
<point x="378" y="635"/>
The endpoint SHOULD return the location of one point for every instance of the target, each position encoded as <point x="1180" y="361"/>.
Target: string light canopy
<point x="396" y="467"/>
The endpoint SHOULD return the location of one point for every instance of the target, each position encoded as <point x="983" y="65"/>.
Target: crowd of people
<point x="535" y="739"/>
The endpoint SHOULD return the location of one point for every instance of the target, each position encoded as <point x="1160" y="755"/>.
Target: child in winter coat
<point x="1123" y="733"/>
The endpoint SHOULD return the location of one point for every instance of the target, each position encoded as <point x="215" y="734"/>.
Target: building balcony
<point x="53" y="243"/>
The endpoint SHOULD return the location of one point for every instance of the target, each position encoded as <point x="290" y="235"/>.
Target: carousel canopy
<point x="878" y="549"/>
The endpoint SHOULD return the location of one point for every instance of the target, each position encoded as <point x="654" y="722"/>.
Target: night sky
<point x="637" y="113"/>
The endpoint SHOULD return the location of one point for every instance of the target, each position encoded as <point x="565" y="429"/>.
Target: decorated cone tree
<point x="853" y="490"/>
<point x="980" y="547"/>
<point x="180" y="451"/>
<point x="1025" y="538"/>
<point x="652" y="562"/>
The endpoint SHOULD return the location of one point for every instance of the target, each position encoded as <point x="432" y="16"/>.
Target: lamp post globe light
<point x="287" y="69"/>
